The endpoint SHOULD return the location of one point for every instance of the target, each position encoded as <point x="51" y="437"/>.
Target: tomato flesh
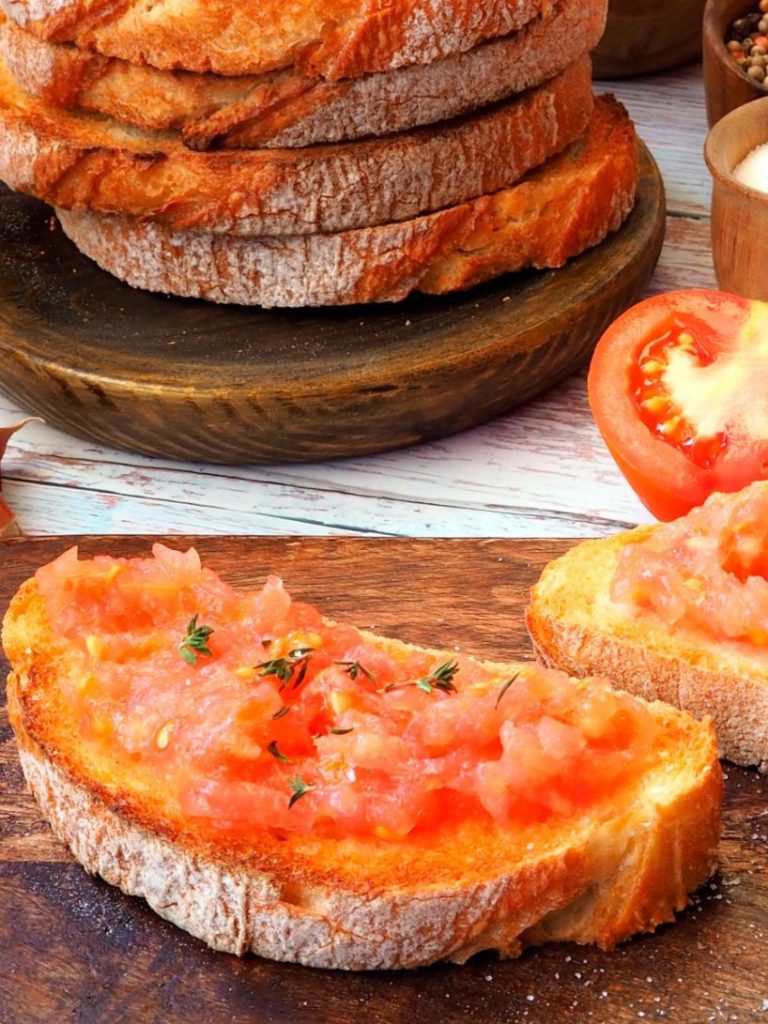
<point x="293" y="723"/>
<point x="677" y="388"/>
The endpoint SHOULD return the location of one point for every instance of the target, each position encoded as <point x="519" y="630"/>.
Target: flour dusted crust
<point x="80" y="161"/>
<point x="576" y="626"/>
<point x="556" y="212"/>
<point x="289" y="109"/>
<point x="333" y="39"/>
<point x="623" y="867"/>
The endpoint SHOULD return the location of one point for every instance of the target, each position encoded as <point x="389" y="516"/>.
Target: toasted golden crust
<point x="625" y="866"/>
<point x="289" y="109"/>
<point x="555" y="213"/>
<point x="79" y="161"/>
<point x="577" y="627"/>
<point x="333" y="39"/>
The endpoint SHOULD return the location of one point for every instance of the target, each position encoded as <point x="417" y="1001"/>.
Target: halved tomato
<point x="678" y="386"/>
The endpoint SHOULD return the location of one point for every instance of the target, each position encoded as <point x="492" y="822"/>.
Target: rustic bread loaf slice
<point x="576" y="625"/>
<point x="80" y="161"/>
<point x="333" y="39"/>
<point x="568" y="204"/>
<point x="620" y="864"/>
<point x="289" y="109"/>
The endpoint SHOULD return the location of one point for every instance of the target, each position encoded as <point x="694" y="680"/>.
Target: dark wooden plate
<point x="190" y="380"/>
<point x="74" y="949"/>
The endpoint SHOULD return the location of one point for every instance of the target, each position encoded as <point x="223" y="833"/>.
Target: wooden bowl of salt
<point x="736" y="152"/>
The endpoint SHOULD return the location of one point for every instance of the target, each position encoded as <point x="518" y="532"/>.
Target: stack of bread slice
<point x="314" y="153"/>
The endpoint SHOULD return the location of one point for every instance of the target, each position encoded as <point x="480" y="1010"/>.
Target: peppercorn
<point x="747" y="43"/>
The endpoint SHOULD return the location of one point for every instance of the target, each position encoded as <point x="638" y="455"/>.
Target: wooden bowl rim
<point x="715" y="161"/>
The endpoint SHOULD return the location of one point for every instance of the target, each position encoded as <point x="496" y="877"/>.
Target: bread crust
<point x="555" y="213"/>
<point x="335" y="39"/>
<point x="623" y="867"/>
<point x="576" y="627"/>
<point x="79" y="161"/>
<point x="287" y="108"/>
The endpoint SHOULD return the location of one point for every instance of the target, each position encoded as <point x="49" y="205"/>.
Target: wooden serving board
<point x="191" y="380"/>
<point x="74" y="949"/>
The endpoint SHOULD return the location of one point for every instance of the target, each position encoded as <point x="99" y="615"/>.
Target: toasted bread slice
<point x="80" y="161"/>
<point x="289" y="109"/>
<point x="572" y="202"/>
<point x="576" y="626"/>
<point x="620" y="865"/>
<point x="333" y="39"/>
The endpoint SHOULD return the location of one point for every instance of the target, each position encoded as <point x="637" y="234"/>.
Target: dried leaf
<point x="8" y="525"/>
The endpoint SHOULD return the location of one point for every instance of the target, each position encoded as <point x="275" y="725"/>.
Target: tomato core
<point x="656" y="407"/>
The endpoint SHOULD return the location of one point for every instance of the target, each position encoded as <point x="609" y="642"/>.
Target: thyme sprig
<point x="195" y="642"/>
<point x="284" y="668"/>
<point x="299" y="788"/>
<point x="355" y="669"/>
<point x="440" y="678"/>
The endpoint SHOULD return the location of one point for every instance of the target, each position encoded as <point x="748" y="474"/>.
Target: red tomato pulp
<point x="245" y="710"/>
<point x="678" y="388"/>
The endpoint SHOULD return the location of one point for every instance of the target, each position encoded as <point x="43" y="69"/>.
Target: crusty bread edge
<point x="643" y="657"/>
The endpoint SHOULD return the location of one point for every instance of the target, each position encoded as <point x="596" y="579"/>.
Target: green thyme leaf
<point x="341" y="732"/>
<point x="277" y="753"/>
<point x="505" y="687"/>
<point x="284" y="668"/>
<point x="440" y="678"/>
<point x="195" y="642"/>
<point x="283" y="711"/>
<point x="355" y="669"/>
<point x="299" y="788"/>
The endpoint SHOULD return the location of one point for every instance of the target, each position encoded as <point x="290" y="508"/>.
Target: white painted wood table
<point x="540" y="471"/>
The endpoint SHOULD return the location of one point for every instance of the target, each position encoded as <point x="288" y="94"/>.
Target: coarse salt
<point x="753" y="169"/>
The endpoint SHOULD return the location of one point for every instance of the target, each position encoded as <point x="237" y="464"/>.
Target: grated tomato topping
<point x="277" y="718"/>
<point x="707" y="571"/>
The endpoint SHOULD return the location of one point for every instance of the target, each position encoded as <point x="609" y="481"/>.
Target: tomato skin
<point x="665" y="478"/>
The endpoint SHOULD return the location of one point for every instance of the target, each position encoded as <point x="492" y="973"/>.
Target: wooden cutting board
<point x="74" y="949"/>
<point x="195" y="381"/>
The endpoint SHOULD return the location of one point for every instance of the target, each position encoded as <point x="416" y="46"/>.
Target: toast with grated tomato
<point x="410" y="805"/>
<point x="686" y="624"/>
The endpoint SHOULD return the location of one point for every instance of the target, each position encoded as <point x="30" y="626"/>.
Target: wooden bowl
<point x="643" y="36"/>
<point x="726" y="87"/>
<point x="739" y="213"/>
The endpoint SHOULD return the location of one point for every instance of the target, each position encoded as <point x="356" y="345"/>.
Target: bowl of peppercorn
<point x="735" y="48"/>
